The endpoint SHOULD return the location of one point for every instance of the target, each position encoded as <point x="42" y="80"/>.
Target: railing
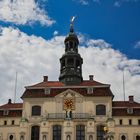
<point x="56" y="116"/>
<point x="63" y="116"/>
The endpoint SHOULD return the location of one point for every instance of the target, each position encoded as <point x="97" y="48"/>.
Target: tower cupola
<point x="71" y="62"/>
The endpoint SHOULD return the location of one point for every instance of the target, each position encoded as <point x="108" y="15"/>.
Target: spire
<point x="71" y="62"/>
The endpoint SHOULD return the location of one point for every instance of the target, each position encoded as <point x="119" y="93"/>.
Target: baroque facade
<point x="71" y="108"/>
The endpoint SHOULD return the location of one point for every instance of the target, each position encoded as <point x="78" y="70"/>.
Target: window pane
<point x="36" y="111"/>
<point x="100" y="110"/>
<point x="56" y="132"/>
<point x="80" y="132"/>
<point x="35" y="133"/>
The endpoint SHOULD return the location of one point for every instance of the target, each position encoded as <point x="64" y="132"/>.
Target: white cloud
<point x="137" y="45"/>
<point x="23" y="12"/>
<point x="55" y="33"/>
<point x="32" y="57"/>
<point x="118" y="3"/>
<point x="86" y="2"/>
<point x="83" y="2"/>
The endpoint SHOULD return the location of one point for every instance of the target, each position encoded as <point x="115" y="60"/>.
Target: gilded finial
<point x="72" y="23"/>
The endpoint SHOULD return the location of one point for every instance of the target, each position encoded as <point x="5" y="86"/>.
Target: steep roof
<point x="56" y="87"/>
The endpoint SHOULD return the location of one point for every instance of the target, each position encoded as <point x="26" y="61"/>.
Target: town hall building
<point x="71" y="108"/>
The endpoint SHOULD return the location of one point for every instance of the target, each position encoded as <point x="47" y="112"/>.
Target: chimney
<point x="91" y="77"/>
<point x="9" y="101"/>
<point x="45" y="79"/>
<point x="131" y="99"/>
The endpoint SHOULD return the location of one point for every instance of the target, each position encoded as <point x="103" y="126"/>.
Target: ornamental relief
<point x="69" y="104"/>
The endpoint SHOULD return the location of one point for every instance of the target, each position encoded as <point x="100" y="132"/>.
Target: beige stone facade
<point x="71" y="108"/>
<point x="84" y="113"/>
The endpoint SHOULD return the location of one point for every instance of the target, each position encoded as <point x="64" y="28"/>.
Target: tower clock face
<point x="69" y="104"/>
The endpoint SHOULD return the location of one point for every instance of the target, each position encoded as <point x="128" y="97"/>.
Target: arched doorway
<point x="100" y="132"/>
<point x="35" y="131"/>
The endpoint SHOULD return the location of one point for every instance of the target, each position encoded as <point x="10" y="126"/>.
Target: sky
<point x="32" y="34"/>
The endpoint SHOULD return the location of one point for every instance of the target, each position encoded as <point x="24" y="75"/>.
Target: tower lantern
<point x="71" y="62"/>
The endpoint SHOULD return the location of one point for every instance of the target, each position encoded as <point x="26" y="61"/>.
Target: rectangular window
<point x="5" y="122"/>
<point x="130" y="122"/>
<point x="120" y="121"/>
<point x="13" y="122"/>
<point x="139" y="122"/>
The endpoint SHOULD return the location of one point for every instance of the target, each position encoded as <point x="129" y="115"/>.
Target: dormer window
<point x="129" y="110"/>
<point x="6" y="112"/>
<point x="89" y="90"/>
<point x="47" y="91"/>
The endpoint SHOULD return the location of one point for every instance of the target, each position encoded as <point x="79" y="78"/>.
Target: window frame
<point x="36" y="110"/>
<point x="80" y="132"/>
<point x="57" y="132"/>
<point x="100" y="109"/>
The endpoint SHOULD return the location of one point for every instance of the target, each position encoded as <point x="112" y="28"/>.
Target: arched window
<point x="11" y="137"/>
<point x="100" y="132"/>
<point x="137" y="137"/>
<point x="35" y="131"/>
<point x="80" y="132"/>
<point x="90" y="137"/>
<point x="70" y="61"/>
<point x="68" y="137"/>
<point x="57" y="132"/>
<point x="36" y="110"/>
<point x="100" y="110"/>
<point x="123" y="137"/>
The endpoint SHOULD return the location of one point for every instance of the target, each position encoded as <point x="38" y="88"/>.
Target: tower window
<point x="70" y="61"/>
<point x="71" y="44"/>
<point x="63" y="63"/>
<point x="77" y="64"/>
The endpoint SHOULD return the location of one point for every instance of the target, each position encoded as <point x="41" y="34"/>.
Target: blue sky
<point x="117" y="24"/>
<point x="33" y="31"/>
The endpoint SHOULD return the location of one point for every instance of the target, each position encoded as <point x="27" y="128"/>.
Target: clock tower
<point x="71" y="61"/>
